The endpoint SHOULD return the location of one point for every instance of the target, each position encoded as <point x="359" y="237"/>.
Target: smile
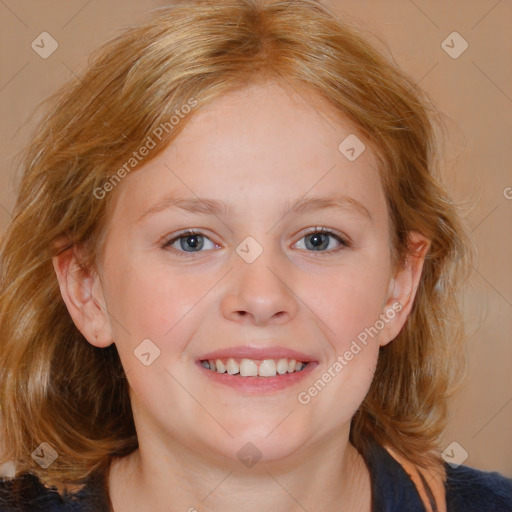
<point x="253" y="367"/>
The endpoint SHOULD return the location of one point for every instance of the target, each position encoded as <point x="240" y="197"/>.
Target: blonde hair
<point x="58" y="388"/>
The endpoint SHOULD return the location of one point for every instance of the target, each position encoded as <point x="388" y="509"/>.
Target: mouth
<point x="253" y="367"/>
<point x="256" y="370"/>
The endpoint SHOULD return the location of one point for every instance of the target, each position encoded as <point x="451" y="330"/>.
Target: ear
<point x="83" y="295"/>
<point x="402" y="288"/>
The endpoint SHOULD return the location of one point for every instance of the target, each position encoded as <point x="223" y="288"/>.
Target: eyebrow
<point x="215" y="207"/>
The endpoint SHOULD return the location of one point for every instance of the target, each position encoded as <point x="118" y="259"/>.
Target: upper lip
<point x="260" y="353"/>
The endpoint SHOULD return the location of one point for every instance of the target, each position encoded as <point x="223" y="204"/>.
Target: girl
<point x="230" y="281"/>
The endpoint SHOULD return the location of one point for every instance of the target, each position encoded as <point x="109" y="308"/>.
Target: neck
<point x="327" y="476"/>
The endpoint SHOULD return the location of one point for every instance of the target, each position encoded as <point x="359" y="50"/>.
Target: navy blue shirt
<point x="467" y="490"/>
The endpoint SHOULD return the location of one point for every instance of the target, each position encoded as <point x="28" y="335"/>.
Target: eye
<point x="193" y="241"/>
<point x="190" y="241"/>
<point x="320" y="239"/>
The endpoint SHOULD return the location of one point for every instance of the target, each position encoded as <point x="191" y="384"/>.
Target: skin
<point x="255" y="149"/>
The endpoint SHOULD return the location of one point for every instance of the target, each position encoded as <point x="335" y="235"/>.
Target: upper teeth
<point x="253" y="367"/>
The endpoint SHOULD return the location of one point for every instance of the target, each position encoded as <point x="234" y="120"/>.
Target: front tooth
<point x="221" y="368"/>
<point x="232" y="366"/>
<point x="291" y="365"/>
<point x="282" y="366"/>
<point x="248" y="368"/>
<point x="267" y="368"/>
<point x="211" y="362"/>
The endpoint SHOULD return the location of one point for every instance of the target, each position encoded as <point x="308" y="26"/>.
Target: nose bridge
<point x="259" y="287"/>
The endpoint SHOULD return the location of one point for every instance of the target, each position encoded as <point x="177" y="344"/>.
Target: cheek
<point x="150" y="300"/>
<point x="349" y="308"/>
<point x="335" y="395"/>
<point x="350" y="303"/>
<point x="155" y="303"/>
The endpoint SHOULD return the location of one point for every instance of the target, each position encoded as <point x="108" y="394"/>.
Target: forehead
<point x="266" y="144"/>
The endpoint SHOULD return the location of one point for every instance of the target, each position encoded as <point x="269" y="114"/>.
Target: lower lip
<point x="258" y="385"/>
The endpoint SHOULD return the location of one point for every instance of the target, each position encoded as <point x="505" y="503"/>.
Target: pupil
<point x="192" y="241"/>
<point x="316" y="240"/>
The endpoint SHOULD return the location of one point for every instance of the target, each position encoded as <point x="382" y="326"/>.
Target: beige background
<point x="474" y="91"/>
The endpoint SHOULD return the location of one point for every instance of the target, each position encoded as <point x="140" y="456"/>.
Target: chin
<point x="260" y="445"/>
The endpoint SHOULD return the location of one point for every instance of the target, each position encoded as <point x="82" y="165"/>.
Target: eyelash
<point x="191" y="232"/>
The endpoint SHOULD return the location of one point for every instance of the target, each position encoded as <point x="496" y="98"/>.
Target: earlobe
<point x="83" y="295"/>
<point x="403" y="286"/>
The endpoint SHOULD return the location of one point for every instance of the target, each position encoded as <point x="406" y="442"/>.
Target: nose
<point x="260" y="293"/>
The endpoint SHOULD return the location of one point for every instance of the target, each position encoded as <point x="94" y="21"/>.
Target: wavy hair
<point x="58" y="388"/>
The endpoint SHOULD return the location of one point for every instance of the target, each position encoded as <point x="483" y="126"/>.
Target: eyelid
<point x="344" y="242"/>
<point x="328" y="231"/>
<point x="168" y="241"/>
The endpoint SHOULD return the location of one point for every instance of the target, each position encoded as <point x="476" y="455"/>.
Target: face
<point x="289" y="259"/>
